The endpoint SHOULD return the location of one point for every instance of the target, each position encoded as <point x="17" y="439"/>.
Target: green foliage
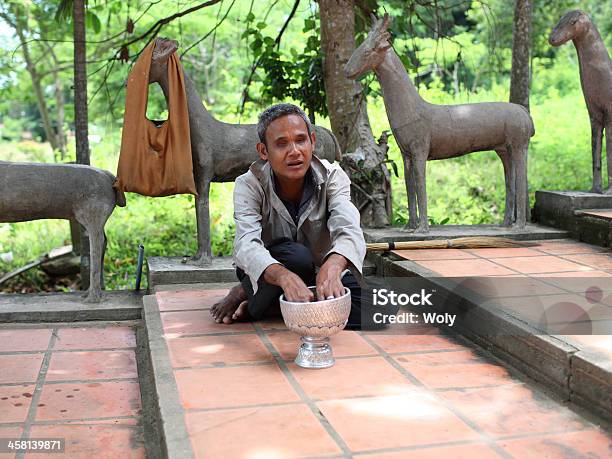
<point x="455" y="68"/>
<point x="295" y="75"/>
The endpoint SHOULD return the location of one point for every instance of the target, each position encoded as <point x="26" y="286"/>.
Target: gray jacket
<point x="330" y="223"/>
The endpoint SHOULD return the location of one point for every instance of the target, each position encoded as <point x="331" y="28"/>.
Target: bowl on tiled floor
<point x="315" y="322"/>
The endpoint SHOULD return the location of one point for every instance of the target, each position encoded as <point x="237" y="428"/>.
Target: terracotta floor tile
<point x="21" y="339"/>
<point x="95" y="338"/>
<point x="395" y="421"/>
<point x="471" y="451"/>
<point x="601" y="344"/>
<point x="189" y="299"/>
<point x="344" y="344"/>
<point x="93" y="441"/>
<point x="506" y="252"/>
<point x="92" y="365"/>
<point x="461" y="268"/>
<point x="270" y="432"/>
<point x="89" y="400"/>
<point x="599" y="213"/>
<point x="217" y="350"/>
<point x="20" y="368"/>
<point x="578" y="282"/>
<point x="276" y="323"/>
<point x="595" y="261"/>
<point x="513" y="410"/>
<point x="497" y="287"/>
<point x="549" y="310"/>
<point x="393" y="344"/>
<point x="196" y="322"/>
<point x="233" y="386"/>
<point x="541" y="264"/>
<point x="364" y="376"/>
<point x="434" y="254"/>
<point x="588" y="443"/>
<point x="439" y="370"/>
<point x="15" y="402"/>
<point x="567" y="246"/>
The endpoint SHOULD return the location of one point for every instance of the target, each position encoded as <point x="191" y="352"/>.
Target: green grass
<point x="466" y="190"/>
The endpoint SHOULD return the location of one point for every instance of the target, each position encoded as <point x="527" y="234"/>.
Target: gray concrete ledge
<point x="530" y="232"/>
<point x="174" y="438"/>
<point x="557" y="363"/>
<point x="171" y="270"/>
<point x="591" y="381"/>
<point x="69" y="307"/>
<point x="564" y="210"/>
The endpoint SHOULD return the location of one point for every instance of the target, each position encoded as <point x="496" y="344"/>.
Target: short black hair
<point x="276" y="111"/>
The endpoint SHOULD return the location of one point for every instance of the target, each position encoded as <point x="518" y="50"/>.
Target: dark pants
<point x="298" y="259"/>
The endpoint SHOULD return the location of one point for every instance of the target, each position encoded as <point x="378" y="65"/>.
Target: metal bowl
<point x="315" y="322"/>
<point x="317" y="319"/>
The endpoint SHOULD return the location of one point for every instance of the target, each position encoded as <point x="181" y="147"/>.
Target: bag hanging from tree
<point x="155" y="160"/>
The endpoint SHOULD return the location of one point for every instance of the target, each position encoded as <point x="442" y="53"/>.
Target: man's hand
<point x="293" y="286"/>
<point x="329" y="283"/>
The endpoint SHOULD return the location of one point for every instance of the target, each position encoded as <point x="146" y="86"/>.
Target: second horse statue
<point x="424" y="131"/>
<point x="221" y="151"/>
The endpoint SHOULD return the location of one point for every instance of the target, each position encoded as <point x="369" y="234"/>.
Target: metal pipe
<point x="139" y="265"/>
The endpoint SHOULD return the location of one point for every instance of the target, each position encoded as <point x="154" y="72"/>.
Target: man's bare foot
<point x="242" y="312"/>
<point x="223" y="311"/>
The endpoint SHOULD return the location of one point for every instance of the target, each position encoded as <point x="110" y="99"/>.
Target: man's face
<point x="289" y="147"/>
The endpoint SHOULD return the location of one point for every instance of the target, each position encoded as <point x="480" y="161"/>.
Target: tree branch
<point x="277" y="41"/>
<point x="155" y="28"/>
<point x="209" y="32"/>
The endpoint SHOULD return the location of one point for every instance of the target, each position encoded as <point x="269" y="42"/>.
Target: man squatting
<point x="293" y="212"/>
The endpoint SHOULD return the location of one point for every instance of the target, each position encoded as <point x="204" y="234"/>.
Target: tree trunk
<point x="80" y="117"/>
<point x="521" y="45"/>
<point x="80" y="84"/>
<point x="60" y="136"/>
<point x="41" y="103"/>
<point x="363" y="158"/>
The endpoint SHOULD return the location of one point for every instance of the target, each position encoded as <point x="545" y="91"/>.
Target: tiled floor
<point x="600" y="213"/>
<point x="559" y="279"/>
<point x="78" y="383"/>
<point x="388" y="396"/>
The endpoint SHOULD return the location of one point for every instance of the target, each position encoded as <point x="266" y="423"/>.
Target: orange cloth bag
<point x="155" y="161"/>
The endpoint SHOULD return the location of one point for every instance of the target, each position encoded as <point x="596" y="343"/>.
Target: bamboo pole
<point x="476" y="242"/>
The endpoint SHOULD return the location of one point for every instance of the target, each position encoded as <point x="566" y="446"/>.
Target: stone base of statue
<point x="587" y="216"/>
<point x="530" y="232"/>
<point x="178" y="270"/>
<point x="172" y="270"/>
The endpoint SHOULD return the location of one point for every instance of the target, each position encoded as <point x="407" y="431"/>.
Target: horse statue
<point x="425" y="131"/>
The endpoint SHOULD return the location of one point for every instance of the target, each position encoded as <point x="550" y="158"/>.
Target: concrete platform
<point x="171" y="270"/>
<point x="586" y="216"/>
<point x="531" y="232"/>
<point x="69" y="307"/>
<point x="578" y="367"/>
<point x="78" y="382"/>
<point x="454" y="399"/>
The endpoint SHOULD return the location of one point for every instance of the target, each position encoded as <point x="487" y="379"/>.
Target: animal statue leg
<point x="510" y="186"/>
<point x="104" y="245"/>
<point x="96" y="247"/>
<point x="204" y="254"/>
<point x="520" y="161"/>
<point x="413" y="219"/>
<point x="596" y="134"/>
<point x="421" y="191"/>
<point x="609" y="154"/>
